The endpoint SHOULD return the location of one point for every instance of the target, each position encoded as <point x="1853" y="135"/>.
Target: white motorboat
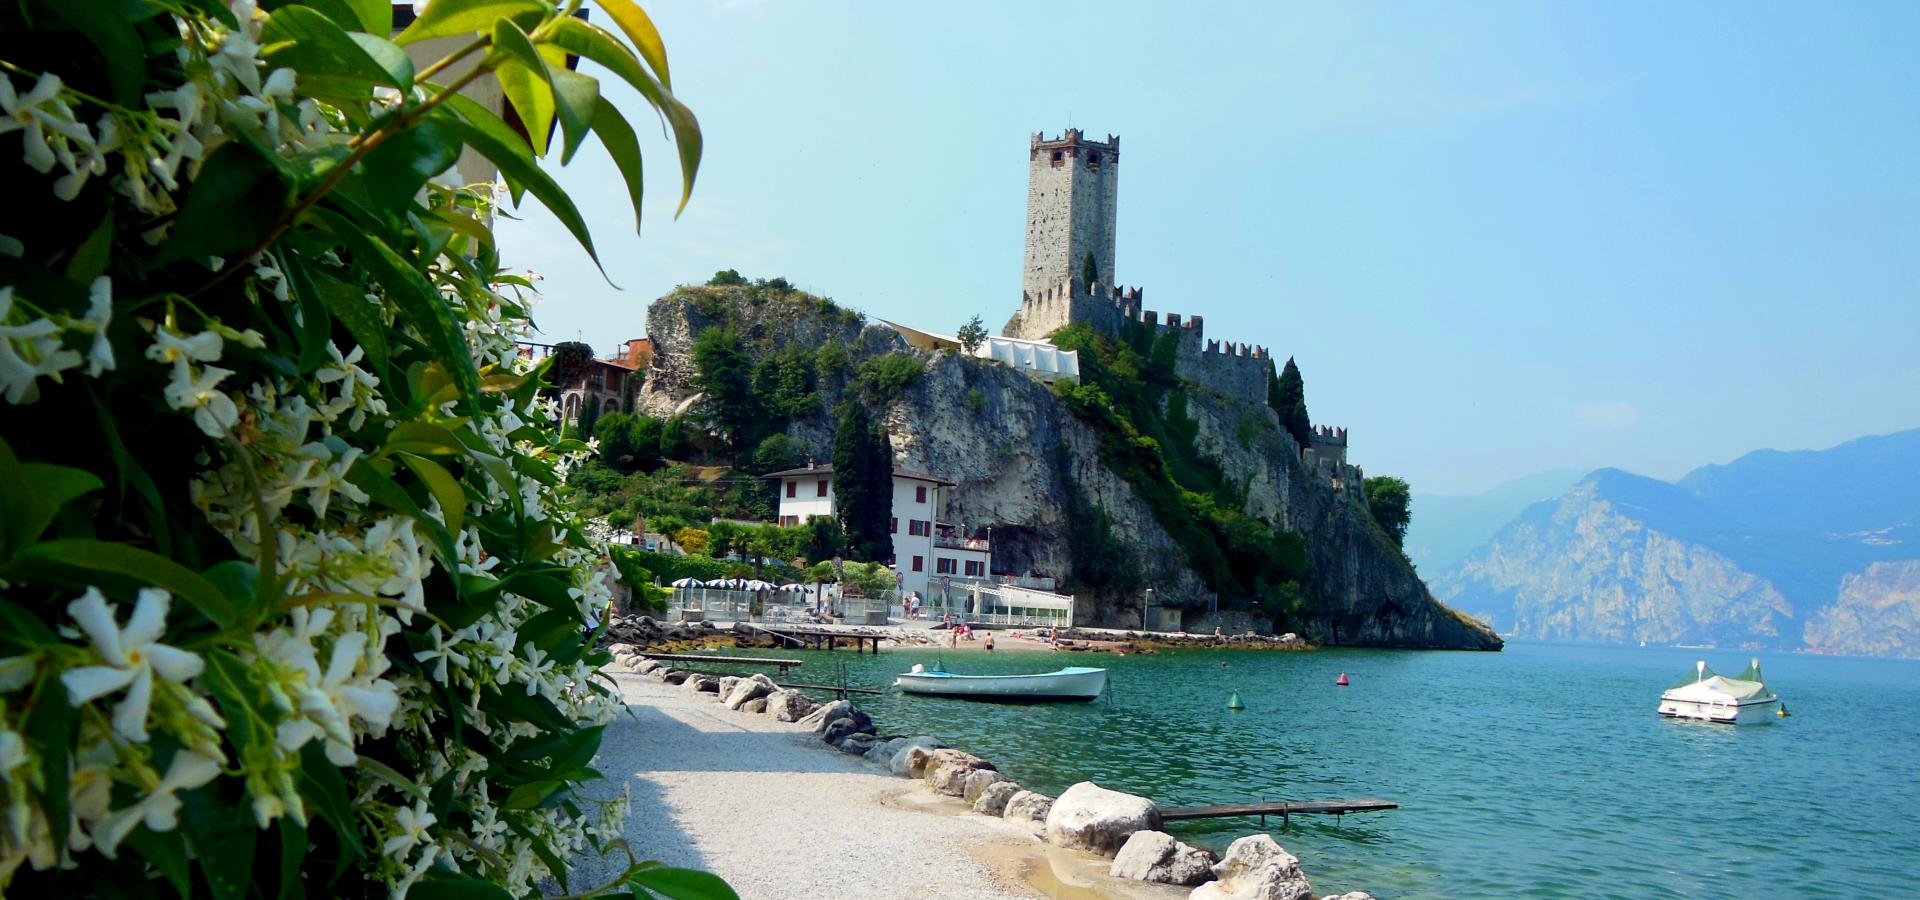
<point x="1706" y="697"/>
<point x="1069" y="684"/>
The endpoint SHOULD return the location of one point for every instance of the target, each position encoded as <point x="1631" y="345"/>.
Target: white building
<point x="1036" y="358"/>
<point x="923" y="547"/>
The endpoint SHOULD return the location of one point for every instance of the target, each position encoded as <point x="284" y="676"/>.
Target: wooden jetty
<point x="1284" y="810"/>
<point x="784" y="664"/>
<point x="823" y="638"/>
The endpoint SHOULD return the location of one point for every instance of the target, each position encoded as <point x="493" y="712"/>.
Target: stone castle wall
<point x="1233" y="370"/>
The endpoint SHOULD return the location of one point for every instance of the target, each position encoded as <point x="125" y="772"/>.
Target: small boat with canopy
<point x="1707" y="697"/>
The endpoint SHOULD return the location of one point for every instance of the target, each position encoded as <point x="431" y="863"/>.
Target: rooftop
<point x="827" y="469"/>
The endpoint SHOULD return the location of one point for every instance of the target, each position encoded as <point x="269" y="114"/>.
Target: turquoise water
<point x="1540" y="771"/>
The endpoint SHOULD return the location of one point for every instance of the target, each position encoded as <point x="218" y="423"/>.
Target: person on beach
<point x="989" y="644"/>
<point x="1053" y="638"/>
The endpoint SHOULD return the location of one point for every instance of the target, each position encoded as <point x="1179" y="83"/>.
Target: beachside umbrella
<point x="720" y="583"/>
<point x="793" y="587"/>
<point x="757" y="585"/>
<point x="688" y="582"/>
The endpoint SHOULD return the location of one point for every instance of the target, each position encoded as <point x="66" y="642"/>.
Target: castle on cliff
<point x="1072" y="207"/>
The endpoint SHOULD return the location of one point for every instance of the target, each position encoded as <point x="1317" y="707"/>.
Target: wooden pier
<point x="784" y="664"/>
<point x="1284" y="810"/>
<point x="823" y="638"/>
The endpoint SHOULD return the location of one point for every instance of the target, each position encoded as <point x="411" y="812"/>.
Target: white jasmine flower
<point x="159" y="810"/>
<point x="133" y="656"/>
<point x="170" y="347"/>
<point x="343" y="694"/>
<point x="213" y="410"/>
<point x="30" y="113"/>
<point x="413" y="825"/>
<point x="441" y="652"/>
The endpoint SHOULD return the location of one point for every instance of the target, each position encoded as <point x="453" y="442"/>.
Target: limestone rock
<point x="1090" y="817"/>
<point x="947" y="771"/>
<point x="993" y="800"/>
<point x="1155" y="856"/>
<point x="756" y="705"/>
<point x="856" y="743"/>
<point x="1028" y="808"/>
<point x="818" y="719"/>
<point x="910" y="761"/>
<point x="726" y="685"/>
<point x="702" y="683"/>
<point x="788" y="706"/>
<point x="1256" y="867"/>
<point x="747" y="689"/>
<point x="840" y="729"/>
<point x="977" y="784"/>
<point x="648" y="666"/>
<point x="675" y="676"/>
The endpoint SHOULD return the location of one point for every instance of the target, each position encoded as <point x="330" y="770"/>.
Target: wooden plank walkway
<point x="823" y="638"/>
<point x="1277" y="808"/>
<point x="784" y="664"/>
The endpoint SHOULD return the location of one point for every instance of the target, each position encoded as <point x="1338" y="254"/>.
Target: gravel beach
<point x="762" y="804"/>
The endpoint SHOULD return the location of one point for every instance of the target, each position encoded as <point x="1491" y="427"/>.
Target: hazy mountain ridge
<point x="1447" y="527"/>
<point x="1813" y="549"/>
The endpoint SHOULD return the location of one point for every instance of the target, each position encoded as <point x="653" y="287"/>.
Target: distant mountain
<point x="1814" y="549"/>
<point x="1446" y="527"/>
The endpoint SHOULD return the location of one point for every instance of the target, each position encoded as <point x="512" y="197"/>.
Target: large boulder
<point x="756" y="705"/>
<point x="1155" y="856"/>
<point x="910" y="760"/>
<point x="1030" y="809"/>
<point x="993" y="800"/>
<point x="789" y="706"/>
<point x="856" y="743"/>
<point x="748" y="689"/>
<point x="726" y="685"/>
<point x="948" y="770"/>
<point x="1090" y="817"/>
<point x="818" y="719"/>
<point x="978" y="782"/>
<point x="702" y="684"/>
<point x="1256" y="867"/>
<point x="675" y="676"/>
<point x="648" y="666"/>
<point x="839" y="729"/>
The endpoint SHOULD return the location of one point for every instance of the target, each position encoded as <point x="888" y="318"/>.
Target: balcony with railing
<point x="953" y="537"/>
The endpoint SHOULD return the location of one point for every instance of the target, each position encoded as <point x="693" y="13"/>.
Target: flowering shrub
<point x="287" y="601"/>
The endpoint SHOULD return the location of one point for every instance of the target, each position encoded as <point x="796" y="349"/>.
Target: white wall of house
<point x="803" y="497"/>
<point x="916" y="557"/>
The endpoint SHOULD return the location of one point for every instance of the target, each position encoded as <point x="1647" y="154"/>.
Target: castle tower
<point x="1072" y="194"/>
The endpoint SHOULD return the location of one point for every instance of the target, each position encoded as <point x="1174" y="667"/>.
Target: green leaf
<point x="383" y="489"/>
<point x="326" y="55"/>
<point x="376" y="16"/>
<point x="48" y="488"/>
<point x="453" y="500"/>
<point x="236" y="201"/>
<point x="543" y="587"/>
<point x="91" y="257"/>
<point x="167" y="853"/>
<point x="533" y="795"/>
<point x="639" y="29"/>
<point x="49" y="731"/>
<point x="578" y="96"/>
<point x="221" y="836"/>
<point x="395" y="170"/>
<point x="325" y="791"/>
<point x="687" y="139"/>
<point x="423" y="437"/>
<point x="119" y="45"/>
<point x="523" y="77"/>
<point x="595" y="44"/>
<point x="446" y="17"/>
<point x="362" y="317"/>
<point x="681" y="884"/>
<point x="419" y="301"/>
<point x="78" y="559"/>
<point x="387" y="55"/>
<point x="540" y="849"/>
<point x="293" y="852"/>
<point x="316" y="326"/>
<point x="522" y="169"/>
<point x="23" y="630"/>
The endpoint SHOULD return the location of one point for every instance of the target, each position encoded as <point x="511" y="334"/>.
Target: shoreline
<point x="784" y="796"/>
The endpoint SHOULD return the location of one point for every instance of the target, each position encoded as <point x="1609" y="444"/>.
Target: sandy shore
<point x="762" y="804"/>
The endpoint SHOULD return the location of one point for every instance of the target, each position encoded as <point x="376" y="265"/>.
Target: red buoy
<point x="1343" y="680"/>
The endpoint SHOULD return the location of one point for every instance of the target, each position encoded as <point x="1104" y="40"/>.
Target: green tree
<point x="727" y="278"/>
<point x="777" y="453"/>
<point x="1287" y="394"/>
<point x="882" y="379"/>
<point x="628" y="442"/>
<point x="973" y="334"/>
<point x="823" y="539"/>
<point x="863" y="483"/>
<point x="589" y="417"/>
<point x="673" y="439"/>
<point x="1089" y="269"/>
<point x="1391" y="503"/>
<point x="725" y="375"/>
<point x="723" y="539"/>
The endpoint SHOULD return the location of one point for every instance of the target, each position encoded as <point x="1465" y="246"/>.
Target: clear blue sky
<point x="1499" y="238"/>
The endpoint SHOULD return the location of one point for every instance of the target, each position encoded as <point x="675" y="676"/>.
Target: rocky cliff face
<point x="1011" y="445"/>
<point x="1876" y="614"/>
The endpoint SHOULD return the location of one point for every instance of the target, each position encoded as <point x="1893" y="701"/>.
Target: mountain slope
<point x="1753" y="552"/>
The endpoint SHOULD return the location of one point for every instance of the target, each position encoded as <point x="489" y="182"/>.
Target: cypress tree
<point x="724" y="373"/>
<point x="1287" y="395"/>
<point x="863" y="484"/>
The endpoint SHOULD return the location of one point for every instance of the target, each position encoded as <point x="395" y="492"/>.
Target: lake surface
<point x="1540" y="771"/>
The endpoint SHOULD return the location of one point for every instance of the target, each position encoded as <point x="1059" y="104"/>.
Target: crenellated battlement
<point x="1327" y="434"/>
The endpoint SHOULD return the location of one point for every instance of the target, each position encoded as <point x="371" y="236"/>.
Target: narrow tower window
<point x="1056" y="157"/>
<point x="1093" y="160"/>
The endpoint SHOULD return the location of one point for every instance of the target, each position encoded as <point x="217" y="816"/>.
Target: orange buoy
<point x="1342" y="680"/>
